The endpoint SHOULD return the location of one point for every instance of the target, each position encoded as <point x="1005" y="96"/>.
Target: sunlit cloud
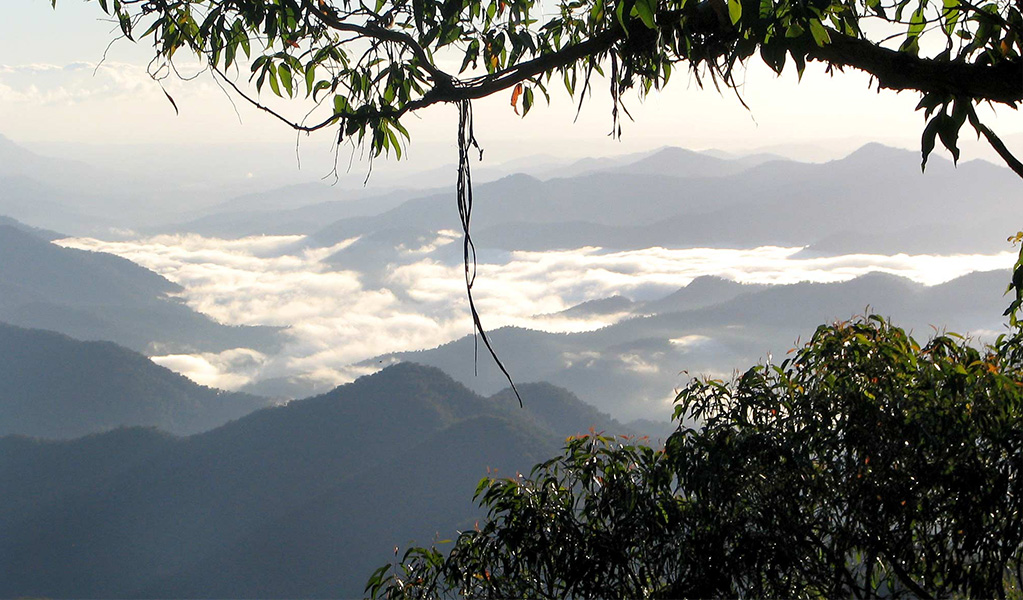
<point x="336" y="319"/>
<point x="230" y="369"/>
<point x="47" y="84"/>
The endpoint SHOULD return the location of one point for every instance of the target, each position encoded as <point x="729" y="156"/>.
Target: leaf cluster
<point x="368" y="63"/>
<point x="864" y="465"/>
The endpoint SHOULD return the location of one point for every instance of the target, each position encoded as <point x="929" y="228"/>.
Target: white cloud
<point x="74" y="83"/>
<point x="335" y="320"/>
<point x="230" y="369"/>
<point x="689" y="341"/>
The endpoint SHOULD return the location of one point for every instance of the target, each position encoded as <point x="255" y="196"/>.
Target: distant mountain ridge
<point x="303" y="500"/>
<point x="682" y="199"/>
<point x="628" y="369"/>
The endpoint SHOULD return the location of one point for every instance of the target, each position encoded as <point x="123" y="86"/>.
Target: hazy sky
<point x="51" y="91"/>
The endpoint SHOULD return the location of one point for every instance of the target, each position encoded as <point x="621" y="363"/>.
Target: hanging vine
<point x="466" y="144"/>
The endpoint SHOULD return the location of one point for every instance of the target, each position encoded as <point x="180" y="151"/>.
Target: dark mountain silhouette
<point x="70" y="195"/>
<point x="372" y="252"/>
<point x="680" y="162"/>
<point x="629" y="369"/>
<point x="17" y="161"/>
<point x="700" y="292"/>
<point x="52" y="386"/>
<point x="558" y="410"/>
<point x="43" y="205"/>
<point x="939" y="239"/>
<point x="303" y="500"/>
<point x="602" y="198"/>
<point x="92" y="295"/>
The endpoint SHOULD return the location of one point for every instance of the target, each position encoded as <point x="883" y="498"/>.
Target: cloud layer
<point x="336" y="320"/>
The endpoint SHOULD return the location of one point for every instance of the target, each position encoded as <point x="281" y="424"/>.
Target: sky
<point x="53" y="95"/>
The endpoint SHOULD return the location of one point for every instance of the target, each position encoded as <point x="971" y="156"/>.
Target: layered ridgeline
<point x="97" y="296"/>
<point x="682" y="199"/>
<point x="708" y="328"/>
<point x="53" y="386"/>
<point x="302" y="500"/>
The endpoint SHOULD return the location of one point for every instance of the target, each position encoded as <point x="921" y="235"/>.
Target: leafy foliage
<point x="369" y="64"/>
<point x="864" y="465"/>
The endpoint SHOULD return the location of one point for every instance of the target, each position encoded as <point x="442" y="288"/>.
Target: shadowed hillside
<point x="55" y="387"/>
<point x="302" y="500"/>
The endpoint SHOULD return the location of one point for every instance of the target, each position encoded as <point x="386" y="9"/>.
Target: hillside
<point x="53" y="386"/>
<point x="302" y="500"/>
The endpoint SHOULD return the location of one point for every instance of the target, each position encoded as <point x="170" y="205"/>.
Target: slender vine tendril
<point x="466" y="143"/>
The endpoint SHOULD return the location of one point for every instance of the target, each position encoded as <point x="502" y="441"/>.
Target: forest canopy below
<point x="864" y="465"/>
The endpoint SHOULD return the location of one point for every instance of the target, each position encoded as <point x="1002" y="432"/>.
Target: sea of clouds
<point x="336" y="320"/>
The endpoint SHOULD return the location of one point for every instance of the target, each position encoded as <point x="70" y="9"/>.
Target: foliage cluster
<point x="864" y="465"/>
<point x="372" y="63"/>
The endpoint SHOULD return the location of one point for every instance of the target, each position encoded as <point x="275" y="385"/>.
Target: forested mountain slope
<point x="53" y="386"/>
<point x="302" y="500"/>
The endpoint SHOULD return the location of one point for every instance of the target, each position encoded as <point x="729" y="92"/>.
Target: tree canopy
<point x="372" y="62"/>
<point x="864" y="465"/>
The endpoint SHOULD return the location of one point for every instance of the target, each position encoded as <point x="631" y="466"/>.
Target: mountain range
<point x="682" y="199"/>
<point x="711" y="327"/>
<point x="302" y="500"/>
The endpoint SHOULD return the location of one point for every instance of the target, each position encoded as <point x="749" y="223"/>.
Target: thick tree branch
<point x="1002" y="83"/>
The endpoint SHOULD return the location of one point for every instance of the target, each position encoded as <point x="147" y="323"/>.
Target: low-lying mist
<point x="337" y="318"/>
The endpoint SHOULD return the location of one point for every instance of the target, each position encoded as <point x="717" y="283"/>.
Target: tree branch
<point x="1002" y="83"/>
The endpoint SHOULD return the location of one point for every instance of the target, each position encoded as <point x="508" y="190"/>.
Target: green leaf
<point x="950" y="14"/>
<point x="340" y="105"/>
<point x="917" y="22"/>
<point x="310" y="79"/>
<point x="734" y="10"/>
<point x="646" y="10"/>
<point x="927" y="142"/>
<point x="773" y="56"/>
<point x="417" y="11"/>
<point x="620" y="15"/>
<point x="284" y="72"/>
<point x="819" y="33"/>
<point x="274" y="85"/>
<point x="527" y="100"/>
